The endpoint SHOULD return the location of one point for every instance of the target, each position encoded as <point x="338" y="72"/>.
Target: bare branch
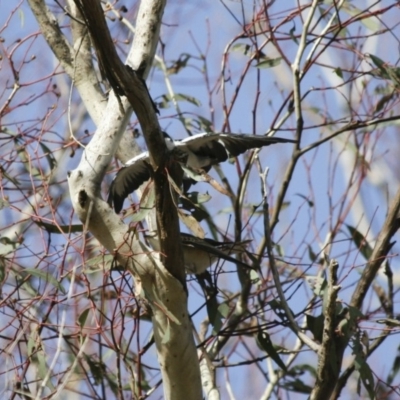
<point x="329" y="361"/>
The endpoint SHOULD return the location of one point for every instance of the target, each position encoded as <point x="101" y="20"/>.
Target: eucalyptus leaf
<point x="264" y="342"/>
<point x="45" y="276"/>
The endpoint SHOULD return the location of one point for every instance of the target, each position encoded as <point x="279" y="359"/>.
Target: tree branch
<point x="166" y="294"/>
<point x="126" y="81"/>
<point x="379" y="253"/>
<point x="329" y="361"/>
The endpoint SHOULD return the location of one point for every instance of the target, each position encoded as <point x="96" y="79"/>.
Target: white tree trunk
<point x="164" y="293"/>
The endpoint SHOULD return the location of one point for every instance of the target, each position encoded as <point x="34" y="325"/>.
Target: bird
<point x="199" y="254"/>
<point x="200" y="151"/>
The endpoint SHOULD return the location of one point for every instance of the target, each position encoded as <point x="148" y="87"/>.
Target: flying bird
<point x="199" y="254"/>
<point x="200" y="151"/>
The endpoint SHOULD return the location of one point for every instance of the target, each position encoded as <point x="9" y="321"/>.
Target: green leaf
<point x="255" y="278"/>
<point x="198" y="198"/>
<point x="189" y="99"/>
<point x="310" y="203"/>
<point x="59" y="229"/>
<point x="395" y="368"/>
<point x="43" y="368"/>
<point x="205" y="124"/>
<point x="4" y="204"/>
<point x="291" y="34"/>
<point x="192" y="224"/>
<point x="360" y="242"/>
<point x="25" y="158"/>
<point x="394" y="323"/>
<point x="338" y="71"/>
<point x="215" y="313"/>
<point x="49" y="156"/>
<point x="354" y="314"/>
<point x="167" y="100"/>
<point x="241" y="48"/>
<point x="371" y="22"/>
<point x="297" y="386"/>
<point x="3" y="274"/>
<point x="83" y="317"/>
<point x="366" y="375"/>
<point x="204" y="177"/>
<point x="10" y="178"/>
<point x="269" y="62"/>
<point x="21" y="16"/>
<point x="317" y="283"/>
<point x="383" y="100"/>
<point x="300" y="369"/>
<point x="279" y="249"/>
<point x="378" y="62"/>
<point x="224" y="310"/>
<point x="97" y="369"/>
<point x="32" y="343"/>
<point x="313" y="257"/>
<point x="7" y="245"/>
<point x="385" y="70"/>
<point x="100" y="263"/>
<point x="45" y="276"/>
<point x="264" y="342"/>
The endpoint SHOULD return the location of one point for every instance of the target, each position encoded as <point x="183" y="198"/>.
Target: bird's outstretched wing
<point x="217" y="147"/>
<point x="128" y="179"/>
<point x="200" y="151"/>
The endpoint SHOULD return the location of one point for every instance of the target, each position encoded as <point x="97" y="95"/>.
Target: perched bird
<point x="200" y="254"/>
<point x="200" y="151"/>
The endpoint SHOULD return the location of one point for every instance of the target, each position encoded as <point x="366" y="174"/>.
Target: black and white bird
<point x="199" y="254"/>
<point x="200" y="151"/>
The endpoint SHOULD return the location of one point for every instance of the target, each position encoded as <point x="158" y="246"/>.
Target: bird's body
<point x="200" y="151"/>
<point x="200" y="254"/>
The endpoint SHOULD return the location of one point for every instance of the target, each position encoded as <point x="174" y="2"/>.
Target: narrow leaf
<point x="204" y="177"/>
<point x="102" y="263"/>
<point x="366" y="375"/>
<point x="214" y="315"/>
<point x="338" y="71"/>
<point x="360" y="242"/>
<point x="7" y="245"/>
<point x="83" y="317"/>
<point x="45" y="276"/>
<point x="49" y="156"/>
<point x="313" y="257"/>
<point x="241" y="48"/>
<point x="192" y="224"/>
<point x="199" y="198"/>
<point x="310" y="203"/>
<point x="291" y="34"/>
<point x="265" y="343"/>
<point x="224" y="310"/>
<point x="59" y="229"/>
<point x="269" y="62"/>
